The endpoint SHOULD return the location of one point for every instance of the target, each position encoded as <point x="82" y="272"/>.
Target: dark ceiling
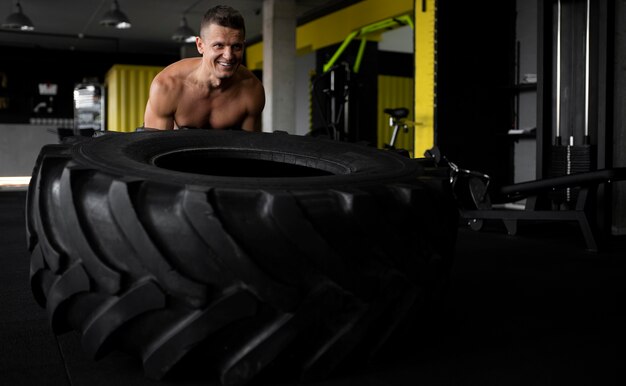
<point x="74" y="24"/>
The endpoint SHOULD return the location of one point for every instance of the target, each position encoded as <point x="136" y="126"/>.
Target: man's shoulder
<point x="175" y="74"/>
<point x="249" y="79"/>
<point x="252" y="90"/>
<point x="246" y="74"/>
<point x="181" y="67"/>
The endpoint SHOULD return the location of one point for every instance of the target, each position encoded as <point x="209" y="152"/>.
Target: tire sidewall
<point x="137" y="155"/>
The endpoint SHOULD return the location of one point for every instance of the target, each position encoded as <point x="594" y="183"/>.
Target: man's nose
<point x="227" y="53"/>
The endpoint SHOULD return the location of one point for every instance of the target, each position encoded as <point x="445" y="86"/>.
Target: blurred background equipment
<point x="89" y="113"/>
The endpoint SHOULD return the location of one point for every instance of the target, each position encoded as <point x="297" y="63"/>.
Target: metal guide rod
<point x="346" y="103"/>
<point x="333" y="119"/>
<point x="558" y="74"/>
<point x="586" y="139"/>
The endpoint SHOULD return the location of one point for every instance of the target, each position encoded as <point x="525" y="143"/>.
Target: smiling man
<point x="212" y="92"/>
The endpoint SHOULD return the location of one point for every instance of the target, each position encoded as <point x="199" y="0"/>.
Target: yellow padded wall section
<point x="393" y="92"/>
<point x="425" y="81"/>
<point x="254" y="56"/>
<point x="128" y="87"/>
<point x="335" y="27"/>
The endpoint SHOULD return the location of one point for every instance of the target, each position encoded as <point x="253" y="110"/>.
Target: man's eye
<point x="218" y="46"/>
<point x="237" y="47"/>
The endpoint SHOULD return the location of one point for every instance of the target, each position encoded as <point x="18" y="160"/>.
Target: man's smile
<point x="226" y="64"/>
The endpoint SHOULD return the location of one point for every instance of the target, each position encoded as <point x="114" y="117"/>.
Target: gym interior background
<point x="486" y="79"/>
<point x="494" y="94"/>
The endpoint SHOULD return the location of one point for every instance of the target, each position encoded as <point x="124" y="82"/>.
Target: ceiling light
<point x="17" y="20"/>
<point x="184" y="33"/>
<point x="115" y="18"/>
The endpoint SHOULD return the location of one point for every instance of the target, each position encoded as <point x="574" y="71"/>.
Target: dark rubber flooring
<point x="531" y="309"/>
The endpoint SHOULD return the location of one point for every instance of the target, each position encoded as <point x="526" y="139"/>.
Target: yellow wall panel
<point x="393" y="92"/>
<point x="335" y="27"/>
<point x="128" y="87"/>
<point x="425" y="62"/>
<point x="254" y="56"/>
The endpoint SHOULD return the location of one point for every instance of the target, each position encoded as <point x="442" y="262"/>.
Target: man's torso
<point x="199" y="106"/>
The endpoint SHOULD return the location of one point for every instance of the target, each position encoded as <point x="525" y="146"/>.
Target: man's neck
<point x="218" y="83"/>
<point x="215" y="83"/>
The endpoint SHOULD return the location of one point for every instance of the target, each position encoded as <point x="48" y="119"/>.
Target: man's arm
<point x="161" y="107"/>
<point x="252" y="123"/>
<point x="254" y="119"/>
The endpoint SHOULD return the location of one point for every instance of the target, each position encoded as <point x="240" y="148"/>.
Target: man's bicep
<point x="252" y="123"/>
<point x="155" y="119"/>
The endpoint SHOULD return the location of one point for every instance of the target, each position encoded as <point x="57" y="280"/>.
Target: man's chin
<point x="227" y="72"/>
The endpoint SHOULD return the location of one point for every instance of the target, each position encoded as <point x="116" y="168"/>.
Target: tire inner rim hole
<point x="243" y="164"/>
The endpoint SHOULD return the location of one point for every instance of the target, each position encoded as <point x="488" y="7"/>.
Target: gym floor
<point x="531" y="309"/>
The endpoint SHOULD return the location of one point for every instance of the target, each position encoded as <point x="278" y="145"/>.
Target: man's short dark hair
<point x="225" y="16"/>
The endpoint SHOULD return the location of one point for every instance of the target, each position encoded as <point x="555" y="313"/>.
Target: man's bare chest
<point x="214" y="111"/>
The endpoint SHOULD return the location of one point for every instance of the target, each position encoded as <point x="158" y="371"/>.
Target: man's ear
<point x="200" y="45"/>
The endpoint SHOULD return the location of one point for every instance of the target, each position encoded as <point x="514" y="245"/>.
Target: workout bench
<point x="586" y="182"/>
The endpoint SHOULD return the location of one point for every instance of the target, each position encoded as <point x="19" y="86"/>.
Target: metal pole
<point x="333" y="119"/>
<point x="346" y="108"/>
<point x="586" y="139"/>
<point x="558" y="74"/>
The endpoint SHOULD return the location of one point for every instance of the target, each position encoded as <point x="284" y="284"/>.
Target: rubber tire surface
<point x="259" y="251"/>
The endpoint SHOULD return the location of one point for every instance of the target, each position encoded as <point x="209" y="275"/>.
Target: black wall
<point x="475" y="72"/>
<point x="21" y="70"/>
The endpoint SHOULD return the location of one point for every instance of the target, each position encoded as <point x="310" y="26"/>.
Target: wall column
<point x="279" y="65"/>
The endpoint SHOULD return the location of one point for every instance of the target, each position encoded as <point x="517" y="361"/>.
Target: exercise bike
<point x="397" y="121"/>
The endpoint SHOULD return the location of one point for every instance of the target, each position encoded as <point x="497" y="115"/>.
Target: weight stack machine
<point x="572" y="151"/>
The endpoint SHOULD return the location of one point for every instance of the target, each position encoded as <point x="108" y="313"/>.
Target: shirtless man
<point x="211" y="92"/>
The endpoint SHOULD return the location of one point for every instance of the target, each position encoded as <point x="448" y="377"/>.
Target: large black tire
<point x="261" y="249"/>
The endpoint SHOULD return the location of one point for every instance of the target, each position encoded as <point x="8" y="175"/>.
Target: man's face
<point x="221" y="49"/>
